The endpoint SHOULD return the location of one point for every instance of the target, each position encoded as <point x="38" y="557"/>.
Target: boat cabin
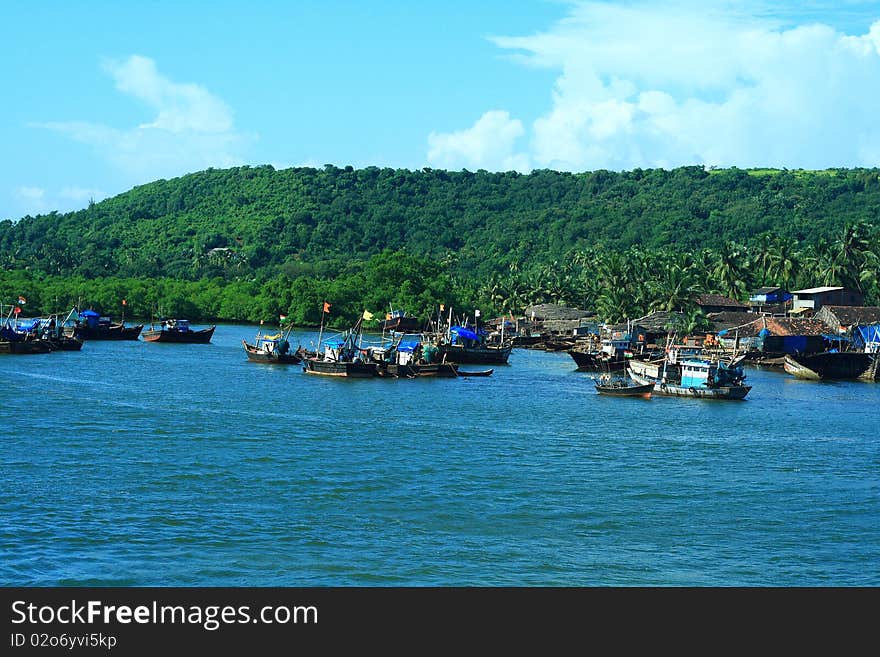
<point x="177" y="324"/>
<point x="695" y="373"/>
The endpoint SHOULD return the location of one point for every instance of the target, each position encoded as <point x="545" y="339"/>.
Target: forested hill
<point x="255" y="221"/>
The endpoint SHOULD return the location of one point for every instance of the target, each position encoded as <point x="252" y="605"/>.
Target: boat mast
<point x="321" y="330"/>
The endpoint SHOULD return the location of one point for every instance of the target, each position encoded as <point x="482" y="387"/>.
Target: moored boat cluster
<point x="650" y="355"/>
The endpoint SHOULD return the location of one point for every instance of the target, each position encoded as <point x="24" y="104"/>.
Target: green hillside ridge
<point x="247" y="243"/>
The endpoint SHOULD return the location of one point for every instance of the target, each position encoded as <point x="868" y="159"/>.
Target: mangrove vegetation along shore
<point x="247" y="244"/>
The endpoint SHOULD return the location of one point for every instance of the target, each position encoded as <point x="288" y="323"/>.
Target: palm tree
<point x="729" y="272"/>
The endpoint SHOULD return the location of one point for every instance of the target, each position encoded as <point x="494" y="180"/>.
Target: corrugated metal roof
<point x="816" y="290"/>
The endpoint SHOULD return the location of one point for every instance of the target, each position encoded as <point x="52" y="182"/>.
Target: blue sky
<point x="102" y="96"/>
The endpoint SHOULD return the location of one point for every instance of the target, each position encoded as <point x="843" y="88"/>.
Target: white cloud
<point x="191" y="130"/>
<point x="38" y="200"/>
<point x="179" y="107"/>
<point x="645" y="85"/>
<point x="488" y="144"/>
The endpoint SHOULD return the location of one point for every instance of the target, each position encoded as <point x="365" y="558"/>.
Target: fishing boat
<point x="24" y="346"/>
<point x="833" y="365"/>
<point x="60" y="334"/>
<point x="178" y="331"/>
<point x="468" y="343"/>
<point x="479" y="354"/>
<point x="620" y="387"/>
<point x="398" y="321"/>
<point x="91" y="325"/>
<point x="274" y="349"/>
<point x="694" y="376"/>
<point x="342" y="356"/>
<point x="411" y="359"/>
<point x="597" y="361"/>
<point x="19" y="336"/>
<point x="15" y="341"/>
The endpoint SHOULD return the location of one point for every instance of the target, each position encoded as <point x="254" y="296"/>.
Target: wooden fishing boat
<point x="64" y="342"/>
<point x="352" y="369"/>
<point x="60" y="335"/>
<point x="90" y="325"/>
<point x="832" y="365"/>
<point x="178" y="331"/>
<point x="273" y="349"/>
<point x="694" y="377"/>
<point x="413" y="370"/>
<point x="597" y="361"/>
<point x="481" y="354"/>
<point x="399" y="321"/>
<point x="618" y="387"/>
<point x="468" y="343"/>
<point x="24" y="347"/>
<point x="342" y="357"/>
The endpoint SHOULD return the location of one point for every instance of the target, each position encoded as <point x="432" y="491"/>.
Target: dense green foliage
<point x="250" y="243"/>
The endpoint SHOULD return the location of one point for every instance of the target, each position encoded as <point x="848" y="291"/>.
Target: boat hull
<point x="449" y="370"/>
<point x="356" y="370"/>
<point x="202" y="336"/>
<point x="842" y="365"/>
<point x="594" y="362"/>
<point x="65" y="343"/>
<point x="475" y="373"/>
<point x="115" y="332"/>
<point x="451" y="353"/>
<point x="672" y="390"/>
<point x="24" y="347"/>
<point x="272" y="357"/>
<point x="642" y="390"/>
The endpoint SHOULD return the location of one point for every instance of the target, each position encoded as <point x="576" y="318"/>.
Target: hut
<point x="718" y="303"/>
<point x="792" y="335"/>
<point x="554" y="319"/>
<point x="841" y="319"/>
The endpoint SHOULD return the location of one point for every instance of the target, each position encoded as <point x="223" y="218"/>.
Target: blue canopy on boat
<point x="89" y="313"/>
<point x="464" y="333"/>
<point x="837" y="338"/>
<point x="407" y="347"/>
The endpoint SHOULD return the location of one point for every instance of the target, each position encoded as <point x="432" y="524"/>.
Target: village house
<point x="812" y="299"/>
<point x="717" y="303"/>
<point x="784" y="335"/>
<point x="842" y="319"/>
<point x="554" y="319"/>
<point x="770" y="300"/>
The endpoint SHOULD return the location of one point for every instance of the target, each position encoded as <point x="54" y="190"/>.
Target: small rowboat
<point x="620" y="388"/>
<point x="476" y="373"/>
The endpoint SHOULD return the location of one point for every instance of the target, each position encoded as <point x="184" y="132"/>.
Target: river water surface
<point x="186" y="465"/>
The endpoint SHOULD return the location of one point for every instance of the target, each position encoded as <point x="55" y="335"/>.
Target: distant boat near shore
<point x="178" y="331"/>
<point x="91" y="325"/>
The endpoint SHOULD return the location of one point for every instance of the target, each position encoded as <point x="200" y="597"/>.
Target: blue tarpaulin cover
<point x="89" y="313"/>
<point x="407" y="347"/>
<point x="464" y="333"/>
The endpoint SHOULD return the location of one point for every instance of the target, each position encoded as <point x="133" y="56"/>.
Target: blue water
<point x="149" y="464"/>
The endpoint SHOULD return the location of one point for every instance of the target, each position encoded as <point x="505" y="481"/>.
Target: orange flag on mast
<point x="326" y="307"/>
